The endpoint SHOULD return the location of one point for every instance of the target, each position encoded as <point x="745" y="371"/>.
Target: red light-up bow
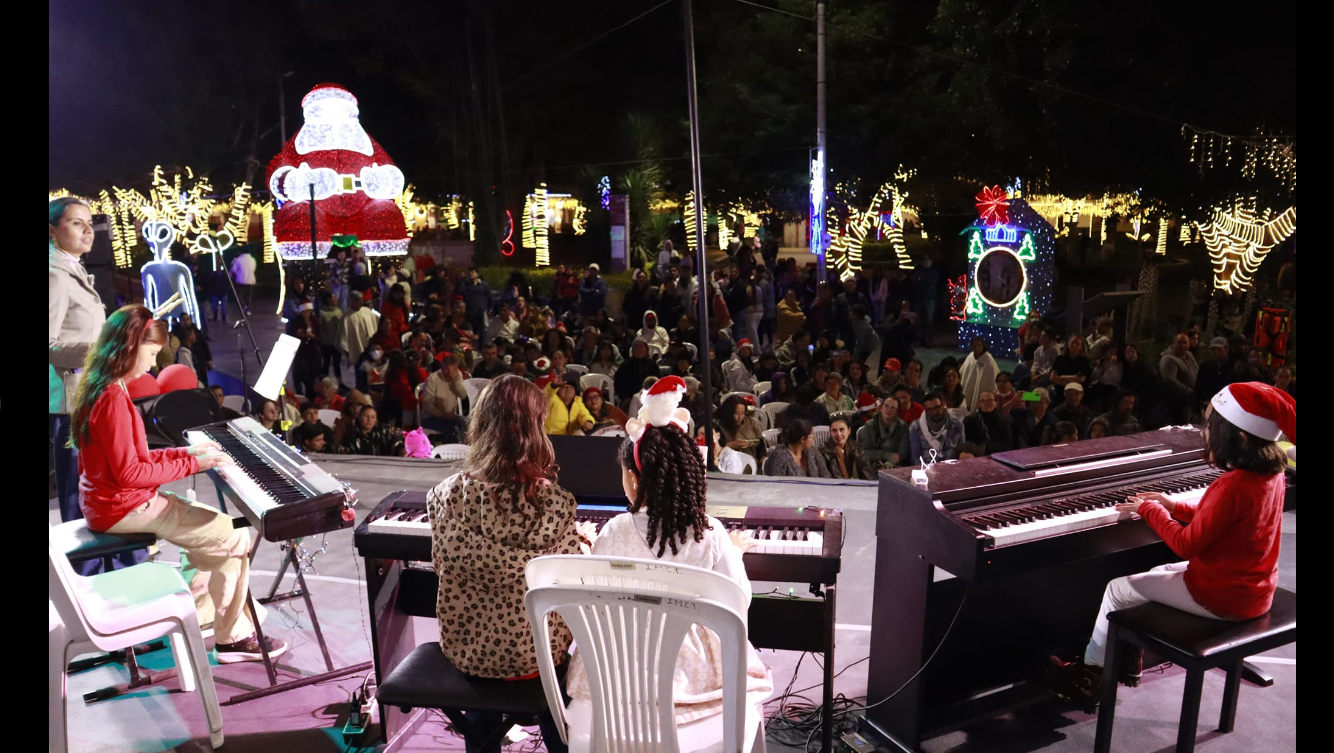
<point x="993" y="205"/>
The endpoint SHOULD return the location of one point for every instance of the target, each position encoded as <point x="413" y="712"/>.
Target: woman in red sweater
<point x="1229" y="539"/>
<point x="120" y="476"/>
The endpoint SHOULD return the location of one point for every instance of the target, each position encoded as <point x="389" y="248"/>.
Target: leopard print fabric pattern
<point x="482" y="538"/>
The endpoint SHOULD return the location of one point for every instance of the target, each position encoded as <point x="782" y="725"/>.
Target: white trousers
<point x="1165" y="584"/>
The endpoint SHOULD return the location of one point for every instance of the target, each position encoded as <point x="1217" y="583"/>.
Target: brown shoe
<point x="249" y="650"/>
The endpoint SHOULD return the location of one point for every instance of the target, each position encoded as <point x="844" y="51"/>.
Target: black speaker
<point x="101" y="263"/>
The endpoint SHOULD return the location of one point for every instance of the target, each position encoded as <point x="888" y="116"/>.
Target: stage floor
<point x="310" y="719"/>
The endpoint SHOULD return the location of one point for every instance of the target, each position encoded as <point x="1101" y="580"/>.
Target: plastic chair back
<point x="821" y="434"/>
<point x="774" y="409"/>
<point x="237" y="403"/>
<point x="577" y="368"/>
<point x="763" y="419"/>
<point x="60" y="590"/>
<point x="752" y="466"/>
<point x="771" y="438"/>
<point x="474" y="386"/>
<point x="761" y="387"/>
<point x="449" y="452"/>
<point x="629" y="618"/>
<point x="329" y="417"/>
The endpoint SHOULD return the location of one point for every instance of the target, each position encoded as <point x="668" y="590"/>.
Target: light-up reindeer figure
<point x="164" y="277"/>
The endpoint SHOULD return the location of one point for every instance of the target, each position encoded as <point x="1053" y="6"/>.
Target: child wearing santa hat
<point x="1229" y="539"/>
<point x="664" y="479"/>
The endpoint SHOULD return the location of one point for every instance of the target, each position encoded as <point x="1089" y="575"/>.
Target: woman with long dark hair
<point x="796" y="455"/>
<point x="487" y="523"/>
<point x="1229" y="539"/>
<point x="740" y="432"/>
<point x="665" y="482"/>
<point x="120" y="479"/>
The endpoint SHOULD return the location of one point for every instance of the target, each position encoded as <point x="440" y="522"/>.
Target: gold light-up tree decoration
<point x="1238" y="242"/>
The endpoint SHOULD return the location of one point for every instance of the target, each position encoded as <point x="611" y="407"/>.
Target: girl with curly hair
<point x="664" y="480"/>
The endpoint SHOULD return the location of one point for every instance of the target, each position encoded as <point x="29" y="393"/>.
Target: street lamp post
<point x="282" y="109"/>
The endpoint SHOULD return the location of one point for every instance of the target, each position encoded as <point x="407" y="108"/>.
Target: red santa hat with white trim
<point x="1259" y="409"/>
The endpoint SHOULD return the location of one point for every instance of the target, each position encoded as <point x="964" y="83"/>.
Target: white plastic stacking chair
<point x="761" y="387"/>
<point x="629" y="618"/>
<point x="821" y="434"/>
<point x="602" y="382"/>
<point x="774" y="409"/>
<point x="771" y="438"/>
<point x="474" y="387"/>
<point x="609" y="431"/>
<point x="328" y="417"/>
<point x="116" y="610"/>
<point x="577" y="368"/>
<point x="763" y="419"/>
<point x="236" y="403"/>
<point x="750" y="463"/>
<point x="449" y="451"/>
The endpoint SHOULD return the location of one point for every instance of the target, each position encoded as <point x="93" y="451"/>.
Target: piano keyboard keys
<point x="1027" y="522"/>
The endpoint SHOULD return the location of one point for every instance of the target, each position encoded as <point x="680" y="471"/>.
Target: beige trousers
<point x="218" y="552"/>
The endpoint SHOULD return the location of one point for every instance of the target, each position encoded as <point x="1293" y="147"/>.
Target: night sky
<point x="137" y="84"/>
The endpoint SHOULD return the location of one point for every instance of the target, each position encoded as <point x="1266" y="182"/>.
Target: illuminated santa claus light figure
<point x="354" y="181"/>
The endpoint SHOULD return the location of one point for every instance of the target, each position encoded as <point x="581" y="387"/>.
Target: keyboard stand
<point x="303" y="592"/>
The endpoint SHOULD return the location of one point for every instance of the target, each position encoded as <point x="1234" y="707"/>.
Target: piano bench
<point x="1196" y="644"/>
<point x="81" y="544"/>
<point x="425" y="679"/>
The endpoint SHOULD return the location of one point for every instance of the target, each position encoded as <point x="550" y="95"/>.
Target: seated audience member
<point x="606" y="361"/>
<point x="935" y="434"/>
<point x="227" y="413"/>
<point x="1064" y="432"/>
<point x="884" y="438"/>
<point x="401" y="380"/>
<point x="1284" y="380"/>
<point x="780" y="389"/>
<point x="739" y="370"/>
<point x="1007" y="397"/>
<point x="843" y="456"/>
<point x="370" y="437"/>
<point x="490" y="366"/>
<point x="1229" y="540"/>
<point x="767" y="367"/>
<point x="988" y="427"/>
<point x="267" y="414"/>
<point x="725" y="459"/>
<point x="656" y="336"/>
<point x="348" y="417"/>
<point x="664" y="481"/>
<point x="312" y="437"/>
<point x="833" y="398"/>
<point x="951" y="390"/>
<point x="1098" y="428"/>
<point x="487" y="523"/>
<point x="805" y="406"/>
<point x="566" y="413"/>
<point x="739" y="431"/>
<point x="912" y="377"/>
<point x="328" y="397"/>
<point x="909" y="409"/>
<point x="603" y="412"/>
<point x="310" y="416"/>
<point x="1121" y="418"/>
<point x="442" y="400"/>
<point x="503" y="327"/>
<point x="795" y="454"/>
<point x="1034" y="421"/>
<point x="695" y="401"/>
<point x="1073" y="409"/>
<point x="630" y="375"/>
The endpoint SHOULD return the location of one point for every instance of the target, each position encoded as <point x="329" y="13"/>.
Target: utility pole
<point x="705" y="286"/>
<point x="817" y="221"/>
<point x="282" y="110"/>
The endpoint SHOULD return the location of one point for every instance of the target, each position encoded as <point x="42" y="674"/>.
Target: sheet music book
<point x="275" y="370"/>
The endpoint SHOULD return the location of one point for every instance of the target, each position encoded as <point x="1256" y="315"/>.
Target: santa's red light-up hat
<point x="1259" y="409"/>
<point x="659" y="406"/>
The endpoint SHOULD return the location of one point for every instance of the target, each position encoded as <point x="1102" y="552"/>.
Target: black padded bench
<point x="425" y="679"/>
<point x="1197" y="645"/>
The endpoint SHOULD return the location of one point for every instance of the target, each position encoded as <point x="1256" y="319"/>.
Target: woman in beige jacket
<point x="74" y="319"/>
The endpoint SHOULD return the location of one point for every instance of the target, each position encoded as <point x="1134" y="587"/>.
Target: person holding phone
<point x="739" y="431"/>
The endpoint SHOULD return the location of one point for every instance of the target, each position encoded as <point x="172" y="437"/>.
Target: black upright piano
<point x="998" y="562"/>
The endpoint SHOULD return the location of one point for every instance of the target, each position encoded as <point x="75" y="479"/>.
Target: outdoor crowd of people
<point x="794" y="388"/>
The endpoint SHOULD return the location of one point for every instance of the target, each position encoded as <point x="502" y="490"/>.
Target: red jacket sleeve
<point x="1185" y="511"/>
<point x="128" y="458"/>
<point x="1208" y="523"/>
